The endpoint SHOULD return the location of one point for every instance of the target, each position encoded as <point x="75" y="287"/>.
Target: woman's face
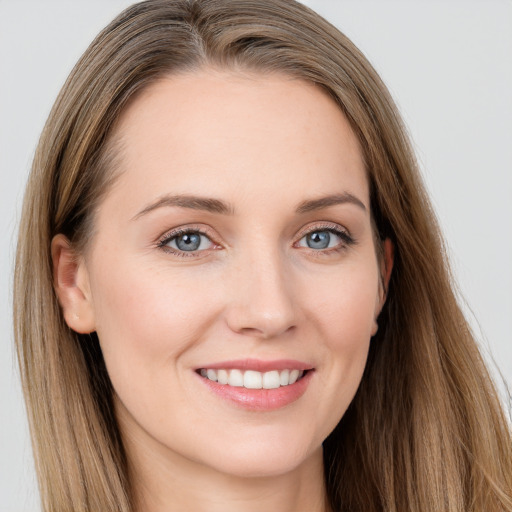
<point x="237" y="246"/>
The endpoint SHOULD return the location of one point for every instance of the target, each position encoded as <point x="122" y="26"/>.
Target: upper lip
<point x="259" y="365"/>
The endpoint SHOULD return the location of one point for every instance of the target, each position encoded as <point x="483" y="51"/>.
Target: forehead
<point x="225" y="133"/>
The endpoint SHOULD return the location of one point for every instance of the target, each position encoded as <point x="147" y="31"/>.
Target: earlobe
<point x="71" y="283"/>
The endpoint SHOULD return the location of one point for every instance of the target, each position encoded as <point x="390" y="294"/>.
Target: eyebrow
<point x="331" y="200"/>
<point x="188" y="201"/>
<point x="212" y="205"/>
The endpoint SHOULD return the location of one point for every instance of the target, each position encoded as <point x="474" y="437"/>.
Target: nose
<point x="261" y="301"/>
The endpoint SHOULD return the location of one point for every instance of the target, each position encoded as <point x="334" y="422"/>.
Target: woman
<point x="230" y="288"/>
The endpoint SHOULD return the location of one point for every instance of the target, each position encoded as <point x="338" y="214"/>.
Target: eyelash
<point x="346" y="238"/>
<point x="169" y="236"/>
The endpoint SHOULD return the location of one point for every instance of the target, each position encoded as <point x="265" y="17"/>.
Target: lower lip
<point x="260" y="399"/>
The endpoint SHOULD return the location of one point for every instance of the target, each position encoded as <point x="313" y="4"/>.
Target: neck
<point x="164" y="482"/>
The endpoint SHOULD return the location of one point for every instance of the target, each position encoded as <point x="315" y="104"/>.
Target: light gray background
<point x="447" y="63"/>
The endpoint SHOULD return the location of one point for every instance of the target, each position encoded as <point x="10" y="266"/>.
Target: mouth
<point x="257" y="385"/>
<point x="252" y="379"/>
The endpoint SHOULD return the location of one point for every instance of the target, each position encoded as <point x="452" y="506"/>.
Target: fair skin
<point x="265" y="278"/>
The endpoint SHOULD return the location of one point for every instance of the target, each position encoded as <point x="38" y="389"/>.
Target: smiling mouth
<point x="251" y="379"/>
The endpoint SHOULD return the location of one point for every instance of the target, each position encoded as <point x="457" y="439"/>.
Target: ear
<point x="71" y="283"/>
<point x="386" y="266"/>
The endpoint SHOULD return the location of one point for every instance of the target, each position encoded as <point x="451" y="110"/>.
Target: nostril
<point x="266" y="331"/>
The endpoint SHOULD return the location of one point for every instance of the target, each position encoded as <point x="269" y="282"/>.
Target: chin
<point x="264" y="457"/>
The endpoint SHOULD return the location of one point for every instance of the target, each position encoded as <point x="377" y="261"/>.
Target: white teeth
<point x="236" y="378"/>
<point x="271" y="380"/>
<point x="294" y="375"/>
<point x="251" y="379"/>
<point x="222" y="376"/>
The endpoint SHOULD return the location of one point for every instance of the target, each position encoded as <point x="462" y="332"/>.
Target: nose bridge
<point x="262" y="301"/>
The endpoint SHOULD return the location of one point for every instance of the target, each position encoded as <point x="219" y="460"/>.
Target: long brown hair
<point x="425" y="430"/>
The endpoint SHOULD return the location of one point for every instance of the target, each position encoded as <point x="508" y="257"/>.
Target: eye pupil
<point x="188" y="242"/>
<point x="318" y="239"/>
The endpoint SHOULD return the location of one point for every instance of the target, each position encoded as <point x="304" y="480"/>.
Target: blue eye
<point x="188" y="241"/>
<point x="318" y="240"/>
<point x="324" y="239"/>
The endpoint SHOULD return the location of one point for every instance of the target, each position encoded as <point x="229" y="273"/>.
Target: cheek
<point x="146" y="318"/>
<point x="344" y="313"/>
<point x="344" y="304"/>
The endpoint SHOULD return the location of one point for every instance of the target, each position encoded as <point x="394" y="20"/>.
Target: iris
<point x="188" y="241"/>
<point x="318" y="239"/>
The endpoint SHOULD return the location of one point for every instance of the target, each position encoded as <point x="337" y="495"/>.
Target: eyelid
<point x="337" y="229"/>
<point x="323" y="225"/>
<point x="203" y="230"/>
